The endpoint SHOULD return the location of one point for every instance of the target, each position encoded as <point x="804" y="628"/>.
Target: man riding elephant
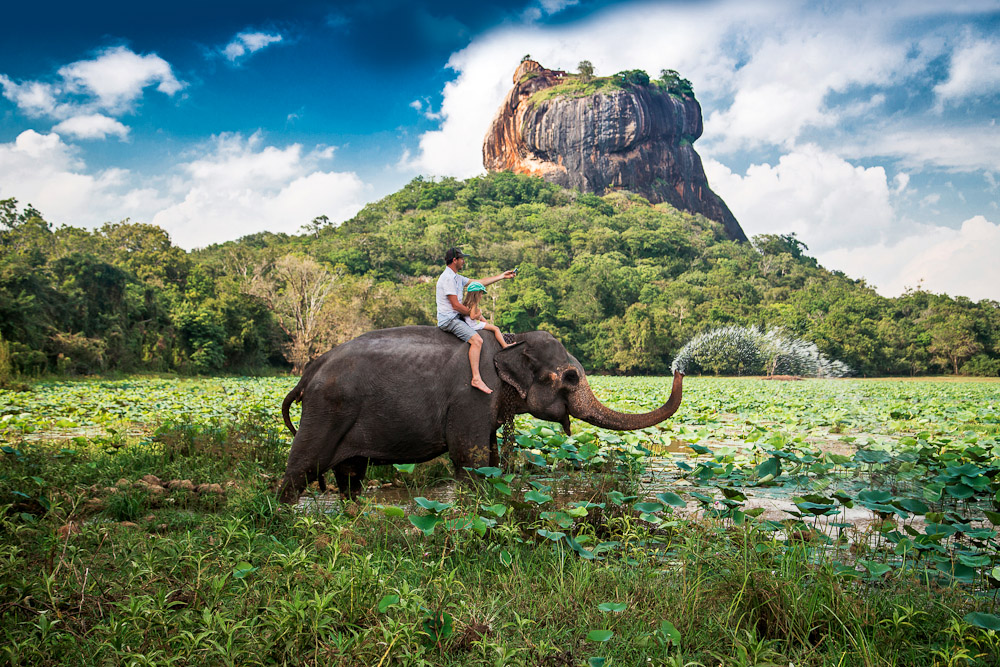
<point x="450" y="309"/>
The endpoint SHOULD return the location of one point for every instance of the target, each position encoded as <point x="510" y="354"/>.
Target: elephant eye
<point x="571" y="377"/>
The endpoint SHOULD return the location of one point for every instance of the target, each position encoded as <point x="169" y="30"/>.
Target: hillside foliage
<point x="622" y="283"/>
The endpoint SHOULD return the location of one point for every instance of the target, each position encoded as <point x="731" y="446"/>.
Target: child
<point x="473" y="295"/>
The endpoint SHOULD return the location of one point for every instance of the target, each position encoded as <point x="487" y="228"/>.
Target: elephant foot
<point x="291" y="488"/>
<point x="350" y="476"/>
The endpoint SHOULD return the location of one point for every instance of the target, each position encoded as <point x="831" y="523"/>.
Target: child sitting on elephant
<point x="473" y="295"/>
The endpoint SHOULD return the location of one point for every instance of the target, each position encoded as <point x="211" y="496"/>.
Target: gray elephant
<point x="403" y="396"/>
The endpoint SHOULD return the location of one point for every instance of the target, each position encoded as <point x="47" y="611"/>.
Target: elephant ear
<point x="515" y="366"/>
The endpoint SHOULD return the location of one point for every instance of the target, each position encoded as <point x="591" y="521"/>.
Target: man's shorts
<point x="457" y="326"/>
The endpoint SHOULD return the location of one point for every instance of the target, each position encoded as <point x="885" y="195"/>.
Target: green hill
<point x="624" y="284"/>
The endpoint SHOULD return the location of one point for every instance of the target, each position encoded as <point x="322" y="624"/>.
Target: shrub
<point x="982" y="366"/>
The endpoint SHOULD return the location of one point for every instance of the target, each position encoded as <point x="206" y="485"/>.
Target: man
<point x="450" y="309"/>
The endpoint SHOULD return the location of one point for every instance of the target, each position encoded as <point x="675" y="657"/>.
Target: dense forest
<point x="622" y="283"/>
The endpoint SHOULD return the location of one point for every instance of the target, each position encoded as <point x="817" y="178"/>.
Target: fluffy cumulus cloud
<point x="91" y="126"/>
<point x="845" y="215"/>
<point x="974" y="71"/>
<point x="828" y="202"/>
<point x="233" y="187"/>
<point x="246" y="43"/>
<point x="115" y="80"/>
<point x="959" y="261"/>
<point x="241" y="186"/>
<point x="85" y="94"/>
<point x="41" y="169"/>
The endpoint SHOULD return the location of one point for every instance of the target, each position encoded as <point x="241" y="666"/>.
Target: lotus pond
<point x="810" y="522"/>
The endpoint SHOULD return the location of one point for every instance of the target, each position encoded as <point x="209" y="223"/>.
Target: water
<point x="753" y="351"/>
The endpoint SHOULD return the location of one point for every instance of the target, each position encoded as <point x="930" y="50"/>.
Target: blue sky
<point x="868" y="129"/>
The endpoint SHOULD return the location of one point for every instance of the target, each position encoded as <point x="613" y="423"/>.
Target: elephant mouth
<point x="565" y="425"/>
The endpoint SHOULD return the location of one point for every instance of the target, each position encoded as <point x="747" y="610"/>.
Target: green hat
<point x="475" y="287"/>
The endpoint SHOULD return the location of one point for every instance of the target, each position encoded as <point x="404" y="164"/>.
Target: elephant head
<point x="551" y="385"/>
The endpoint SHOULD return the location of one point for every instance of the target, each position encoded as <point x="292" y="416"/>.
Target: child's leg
<point x="496" y="332"/>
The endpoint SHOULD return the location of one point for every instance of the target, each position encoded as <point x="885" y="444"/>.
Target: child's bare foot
<point x="481" y="386"/>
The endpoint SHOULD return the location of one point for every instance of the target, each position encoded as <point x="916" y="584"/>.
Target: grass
<point x="243" y="581"/>
<point x="98" y="566"/>
<point x="573" y="87"/>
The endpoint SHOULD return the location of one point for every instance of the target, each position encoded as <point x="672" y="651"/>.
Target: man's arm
<point x="506" y="275"/>
<point x="457" y="305"/>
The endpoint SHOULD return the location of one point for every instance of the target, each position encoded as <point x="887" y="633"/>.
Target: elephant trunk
<point x="584" y="405"/>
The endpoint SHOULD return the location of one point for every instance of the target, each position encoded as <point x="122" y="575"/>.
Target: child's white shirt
<point x="475" y="324"/>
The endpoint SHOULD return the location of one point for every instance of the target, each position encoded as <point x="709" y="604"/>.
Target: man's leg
<point x="475" y="347"/>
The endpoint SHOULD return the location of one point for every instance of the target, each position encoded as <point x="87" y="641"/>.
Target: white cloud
<point x="555" y="6"/>
<point x="783" y="88"/>
<point x="974" y="71"/>
<point x="940" y="259"/>
<point x="954" y="146"/>
<point x="42" y="170"/>
<point x="111" y="83"/>
<point x="828" y="202"/>
<point x="902" y="179"/>
<point x="242" y="186"/>
<point x="246" y="43"/>
<point x="236" y="186"/>
<point x="117" y="77"/>
<point x="91" y="126"/>
<point x="32" y="97"/>
<point x="843" y="213"/>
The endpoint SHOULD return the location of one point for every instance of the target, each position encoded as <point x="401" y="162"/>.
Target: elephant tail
<point x="293" y="395"/>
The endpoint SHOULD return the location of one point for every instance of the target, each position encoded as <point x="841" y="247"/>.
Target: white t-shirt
<point x="449" y="283"/>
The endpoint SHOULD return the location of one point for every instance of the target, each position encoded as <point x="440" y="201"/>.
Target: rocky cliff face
<point x="637" y="138"/>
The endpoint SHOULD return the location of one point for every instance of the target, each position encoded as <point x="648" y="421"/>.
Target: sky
<point x="868" y="129"/>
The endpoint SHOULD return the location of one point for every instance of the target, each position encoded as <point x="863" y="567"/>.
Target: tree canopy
<point x="624" y="284"/>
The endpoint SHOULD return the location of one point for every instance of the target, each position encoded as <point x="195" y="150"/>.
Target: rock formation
<point x="634" y="137"/>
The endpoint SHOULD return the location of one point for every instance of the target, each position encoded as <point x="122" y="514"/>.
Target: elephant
<point x="403" y="395"/>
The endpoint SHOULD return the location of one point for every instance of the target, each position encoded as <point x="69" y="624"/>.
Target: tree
<point x="296" y="289"/>
<point x="953" y="338"/>
<point x="586" y="70"/>
<point x="674" y="83"/>
<point x="633" y="77"/>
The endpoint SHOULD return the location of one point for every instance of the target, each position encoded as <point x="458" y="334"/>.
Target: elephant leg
<point x="316" y="476"/>
<point x="311" y="452"/>
<point x="494" y="451"/>
<point x="350" y="476"/>
<point x="468" y="451"/>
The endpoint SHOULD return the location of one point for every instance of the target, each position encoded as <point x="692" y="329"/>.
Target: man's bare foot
<point x="481" y="386"/>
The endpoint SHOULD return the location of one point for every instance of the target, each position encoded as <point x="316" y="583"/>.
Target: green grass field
<point x="841" y="522"/>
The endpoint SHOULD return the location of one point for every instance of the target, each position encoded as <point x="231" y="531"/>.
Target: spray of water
<point x="752" y="351"/>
